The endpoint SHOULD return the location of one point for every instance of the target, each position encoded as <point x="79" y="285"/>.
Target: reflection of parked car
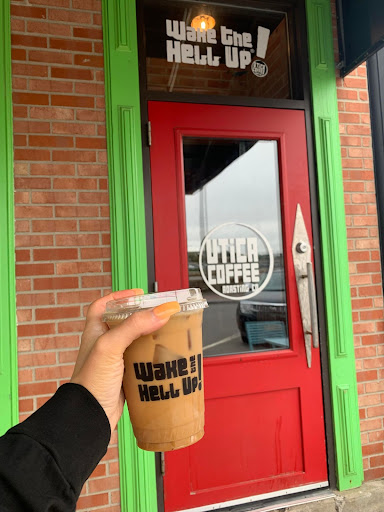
<point x="265" y="316"/>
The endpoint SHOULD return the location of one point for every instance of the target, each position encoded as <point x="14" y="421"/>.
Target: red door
<point x="226" y="182"/>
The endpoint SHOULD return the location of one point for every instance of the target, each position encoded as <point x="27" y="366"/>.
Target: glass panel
<point x="245" y="53"/>
<point x="235" y="248"/>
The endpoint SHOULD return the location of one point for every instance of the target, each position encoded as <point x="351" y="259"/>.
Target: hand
<point x="100" y="364"/>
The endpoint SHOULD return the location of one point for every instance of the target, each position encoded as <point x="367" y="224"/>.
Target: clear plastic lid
<point x="189" y="299"/>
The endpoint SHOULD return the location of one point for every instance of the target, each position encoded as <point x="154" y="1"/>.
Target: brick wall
<point x="365" y="267"/>
<point x="62" y="218"/>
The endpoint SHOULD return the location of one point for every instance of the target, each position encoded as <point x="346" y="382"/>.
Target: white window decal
<point x="236" y="267"/>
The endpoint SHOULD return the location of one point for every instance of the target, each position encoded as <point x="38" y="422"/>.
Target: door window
<point x="234" y="240"/>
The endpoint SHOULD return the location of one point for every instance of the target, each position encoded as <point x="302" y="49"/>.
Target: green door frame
<point x="8" y="340"/>
<point x="137" y="476"/>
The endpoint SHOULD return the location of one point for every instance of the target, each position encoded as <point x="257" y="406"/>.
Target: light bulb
<point x="203" y="25"/>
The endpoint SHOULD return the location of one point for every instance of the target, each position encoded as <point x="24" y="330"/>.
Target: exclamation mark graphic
<point x="262" y="41"/>
<point x="199" y="369"/>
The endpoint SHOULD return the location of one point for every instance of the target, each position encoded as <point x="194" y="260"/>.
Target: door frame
<point x="126" y="160"/>
<point x="8" y="338"/>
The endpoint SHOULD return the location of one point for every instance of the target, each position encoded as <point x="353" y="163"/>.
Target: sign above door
<point x="218" y="49"/>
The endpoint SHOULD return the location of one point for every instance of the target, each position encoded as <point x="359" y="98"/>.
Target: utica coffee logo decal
<point x="239" y="51"/>
<point x="236" y="261"/>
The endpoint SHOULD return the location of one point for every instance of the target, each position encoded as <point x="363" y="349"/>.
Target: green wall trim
<point x="128" y="235"/>
<point x="348" y="455"/>
<point x="8" y="339"/>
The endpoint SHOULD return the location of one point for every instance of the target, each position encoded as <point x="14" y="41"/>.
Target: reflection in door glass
<point x="235" y="248"/>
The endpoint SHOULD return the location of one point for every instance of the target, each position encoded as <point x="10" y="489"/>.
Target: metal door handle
<point x="312" y="305"/>
<point x="301" y="250"/>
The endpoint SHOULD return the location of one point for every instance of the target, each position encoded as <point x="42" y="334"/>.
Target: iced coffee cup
<point x="163" y="379"/>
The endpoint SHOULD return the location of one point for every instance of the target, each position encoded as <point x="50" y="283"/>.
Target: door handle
<point x="301" y="250"/>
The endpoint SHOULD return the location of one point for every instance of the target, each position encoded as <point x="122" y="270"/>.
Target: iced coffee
<point x="163" y="379"/>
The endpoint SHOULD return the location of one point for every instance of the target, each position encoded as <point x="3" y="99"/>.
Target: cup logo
<point x="236" y="261"/>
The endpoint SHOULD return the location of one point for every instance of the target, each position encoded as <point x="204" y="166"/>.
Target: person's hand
<point x="100" y="365"/>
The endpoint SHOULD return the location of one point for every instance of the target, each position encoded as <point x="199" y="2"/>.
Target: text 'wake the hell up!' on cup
<point x="163" y="379"/>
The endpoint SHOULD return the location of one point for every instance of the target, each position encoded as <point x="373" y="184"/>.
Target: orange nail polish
<point x="167" y="309"/>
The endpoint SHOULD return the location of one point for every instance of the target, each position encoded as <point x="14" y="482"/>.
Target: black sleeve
<point x="45" y="460"/>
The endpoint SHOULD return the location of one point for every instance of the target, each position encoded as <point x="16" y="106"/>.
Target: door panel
<point x="264" y="419"/>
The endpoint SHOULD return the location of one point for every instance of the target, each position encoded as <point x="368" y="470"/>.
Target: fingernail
<point x="167" y="309"/>
<point x="138" y="291"/>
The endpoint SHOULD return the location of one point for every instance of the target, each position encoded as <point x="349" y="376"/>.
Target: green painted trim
<point x="8" y="338"/>
<point x="349" y="465"/>
<point x="128" y="236"/>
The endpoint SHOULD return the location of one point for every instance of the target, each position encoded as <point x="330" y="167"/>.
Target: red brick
<point x="22" y="226"/>
<point x="35" y="330"/>
<point x="31" y="126"/>
<point x="55" y="3"/>
<point x="76" y="211"/>
<point x="92" y="170"/>
<point x="43" y="27"/>
<point x="37" y="359"/>
<point x="55" y="254"/>
<point x="19" y="83"/>
<point x="94" y="225"/>
<point x="369" y="291"/>
<point x="376" y="436"/>
<point x="72" y="101"/>
<point x="34" y="240"/>
<point x="52" y="113"/>
<point x="58" y="342"/>
<point x="89" y="60"/>
<point x="91" y="142"/>
<point x="70" y="44"/>
<point x="30" y="98"/>
<point x="23" y="255"/>
<point x="87" y="33"/>
<point x="54" y="141"/>
<point x="26" y="405"/>
<point x="72" y="74"/>
<point x="75" y="183"/>
<point x="90" y="115"/>
<point x="53" y="169"/>
<point x="94" y="500"/>
<point x="374" y="387"/>
<point x="78" y="267"/>
<point x="18" y="54"/>
<point x="19" y="140"/>
<point x="37" y="388"/>
<point x="73" y="128"/>
<point x="48" y="197"/>
<point x="44" y="226"/>
<point x="20" y="111"/>
<point x="28" y="41"/>
<point x="33" y="211"/>
<point x="87" y="88"/>
<point x="34" y="269"/>
<point x="77" y="239"/>
<point x="41" y="299"/>
<point x="50" y="85"/>
<point x="102" y="484"/>
<point x="69" y="16"/>
<point x="57" y="313"/>
<point x="25" y="11"/>
<point x="23" y="285"/>
<point x="367" y="376"/>
<point x="95" y="252"/>
<point x="376" y="314"/>
<point x="101" y="281"/>
<point x="358" y="129"/>
<point x="356" y="83"/>
<point x="74" y="156"/>
<point x="371" y="424"/>
<point x="55" y="283"/>
<point x="17" y="25"/>
<point x="29" y="69"/>
<point x="374" y="412"/>
<point x="373" y="449"/>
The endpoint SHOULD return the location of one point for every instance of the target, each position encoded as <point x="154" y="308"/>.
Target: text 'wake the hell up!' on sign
<point x="239" y="52"/>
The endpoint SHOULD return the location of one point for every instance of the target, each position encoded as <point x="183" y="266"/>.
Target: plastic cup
<point x="163" y="380"/>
